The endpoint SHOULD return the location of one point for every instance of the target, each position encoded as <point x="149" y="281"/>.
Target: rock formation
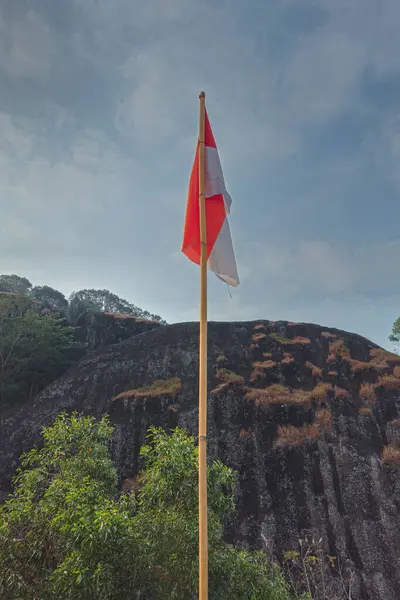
<point x="309" y="417"/>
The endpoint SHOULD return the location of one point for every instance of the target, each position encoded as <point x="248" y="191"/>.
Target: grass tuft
<point x="389" y="382"/>
<point x="244" y="434"/>
<point x="339" y="349"/>
<point x="160" y="387"/>
<point x="321" y="391"/>
<point x="365" y="411"/>
<point x="341" y="393"/>
<point x="328" y="335"/>
<point x="315" y="371"/>
<point x="391" y="455"/>
<point x="256" y="337"/>
<point x="287" y="359"/>
<point x="278" y="394"/>
<point x="290" y="436"/>
<point x="227" y="376"/>
<point x="323" y="419"/>
<point x="380" y="355"/>
<point x="368" y="393"/>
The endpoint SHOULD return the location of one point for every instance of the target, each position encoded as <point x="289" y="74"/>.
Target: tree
<point x="65" y="532"/>
<point x="34" y="349"/>
<point x="14" y="284"/>
<point x="50" y="298"/>
<point x="395" y="335"/>
<point x="90" y="300"/>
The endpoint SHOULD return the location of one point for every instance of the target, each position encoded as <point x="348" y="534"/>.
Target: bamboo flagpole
<point x="203" y="516"/>
<point x="207" y="242"/>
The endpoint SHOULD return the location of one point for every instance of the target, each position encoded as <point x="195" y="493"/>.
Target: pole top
<point x="202" y="95"/>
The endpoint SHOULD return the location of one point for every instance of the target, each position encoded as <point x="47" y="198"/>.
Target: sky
<point x="98" y="126"/>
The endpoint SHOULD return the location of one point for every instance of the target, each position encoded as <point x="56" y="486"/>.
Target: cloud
<point x="98" y="121"/>
<point x="27" y="45"/>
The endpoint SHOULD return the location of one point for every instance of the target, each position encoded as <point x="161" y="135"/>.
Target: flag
<point x="220" y="254"/>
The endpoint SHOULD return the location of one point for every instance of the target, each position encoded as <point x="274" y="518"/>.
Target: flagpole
<point x="203" y="516"/>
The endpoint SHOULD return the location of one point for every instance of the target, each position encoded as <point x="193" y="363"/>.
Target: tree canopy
<point x="14" y="284"/>
<point x="34" y="348"/>
<point x="395" y="335"/>
<point x="104" y="301"/>
<point x="50" y="298"/>
<point x="67" y="533"/>
<point x="80" y="302"/>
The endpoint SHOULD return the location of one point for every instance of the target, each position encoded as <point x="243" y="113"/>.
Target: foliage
<point x="81" y="302"/>
<point x="14" y="284"/>
<point x="33" y="349"/>
<point x="395" y="335"/>
<point x="90" y="300"/>
<point x="65" y="533"/>
<point x="50" y="298"/>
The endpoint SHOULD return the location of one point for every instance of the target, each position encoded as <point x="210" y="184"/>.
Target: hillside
<point x="310" y="418"/>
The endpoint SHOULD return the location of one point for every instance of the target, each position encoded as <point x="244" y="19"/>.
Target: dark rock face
<point x="307" y="458"/>
<point x="98" y="330"/>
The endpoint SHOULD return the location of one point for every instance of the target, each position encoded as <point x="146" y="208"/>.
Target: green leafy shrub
<point x="66" y="533"/>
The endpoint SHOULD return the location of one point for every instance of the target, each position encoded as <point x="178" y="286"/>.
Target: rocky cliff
<point x="309" y="417"/>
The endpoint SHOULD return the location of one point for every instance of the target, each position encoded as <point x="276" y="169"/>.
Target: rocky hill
<point x="309" y="417"/>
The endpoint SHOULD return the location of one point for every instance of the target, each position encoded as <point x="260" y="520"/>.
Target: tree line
<point x="78" y="303"/>
<point x="37" y="332"/>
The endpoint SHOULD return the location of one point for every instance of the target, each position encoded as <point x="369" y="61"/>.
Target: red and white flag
<point x="220" y="254"/>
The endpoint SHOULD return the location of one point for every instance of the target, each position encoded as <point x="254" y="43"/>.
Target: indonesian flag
<point x="220" y="254"/>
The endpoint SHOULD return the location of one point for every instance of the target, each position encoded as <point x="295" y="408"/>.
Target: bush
<point x="67" y="534"/>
